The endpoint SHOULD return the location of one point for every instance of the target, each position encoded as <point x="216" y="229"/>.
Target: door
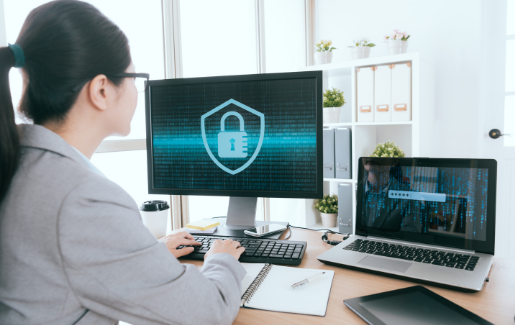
<point x="499" y="108"/>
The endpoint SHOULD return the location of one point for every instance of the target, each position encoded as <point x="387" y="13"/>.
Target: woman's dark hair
<point x="66" y="43"/>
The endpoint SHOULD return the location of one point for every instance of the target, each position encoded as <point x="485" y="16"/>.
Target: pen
<point x="306" y="281"/>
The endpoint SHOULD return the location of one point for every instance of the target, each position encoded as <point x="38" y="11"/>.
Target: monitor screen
<point x="254" y="135"/>
<point x="427" y="200"/>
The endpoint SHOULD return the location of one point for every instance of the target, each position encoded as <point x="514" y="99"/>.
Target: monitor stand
<point x="241" y="215"/>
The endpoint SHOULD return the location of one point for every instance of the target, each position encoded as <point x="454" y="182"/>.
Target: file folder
<point x="342" y="153"/>
<point x="328" y="153"/>
<point x="345" y="208"/>
<point x="365" y="94"/>
<point x="401" y="92"/>
<point x="383" y="93"/>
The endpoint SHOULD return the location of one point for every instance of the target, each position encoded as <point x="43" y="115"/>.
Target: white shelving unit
<point x="413" y="137"/>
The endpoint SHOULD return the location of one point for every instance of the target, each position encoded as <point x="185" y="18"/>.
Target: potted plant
<point x="388" y="150"/>
<point x="361" y="48"/>
<point x="324" y="53"/>
<point x="328" y="207"/>
<point x="333" y="101"/>
<point x="397" y="42"/>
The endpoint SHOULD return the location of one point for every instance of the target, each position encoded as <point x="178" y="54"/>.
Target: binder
<point x="345" y="208"/>
<point x="365" y="94"/>
<point x="328" y="153"/>
<point x="401" y="92"/>
<point x="342" y="153"/>
<point x="383" y="93"/>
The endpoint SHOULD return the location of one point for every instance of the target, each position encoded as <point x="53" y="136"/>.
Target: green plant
<point x="324" y="46"/>
<point x="329" y="204"/>
<point x="362" y="42"/>
<point x="333" y="98"/>
<point x="388" y="149"/>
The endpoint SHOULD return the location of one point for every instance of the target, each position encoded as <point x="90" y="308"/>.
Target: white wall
<point x="3" y="38"/>
<point x="448" y="33"/>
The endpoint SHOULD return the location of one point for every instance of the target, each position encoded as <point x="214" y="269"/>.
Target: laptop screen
<point x="448" y="202"/>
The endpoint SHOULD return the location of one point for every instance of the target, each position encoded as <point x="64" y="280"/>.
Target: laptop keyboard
<point x="410" y="253"/>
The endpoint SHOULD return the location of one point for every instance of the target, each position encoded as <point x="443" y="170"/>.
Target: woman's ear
<point x="97" y="92"/>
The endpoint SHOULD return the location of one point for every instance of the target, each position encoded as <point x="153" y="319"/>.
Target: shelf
<point x="350" y="124"/>
<point x="335" y="125"/>
<point x="383" y="123"/>
<point x="345" y="66"/>
<point x="341" y="180"/>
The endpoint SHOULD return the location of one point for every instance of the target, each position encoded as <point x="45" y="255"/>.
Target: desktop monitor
<point x="242" y="136"/>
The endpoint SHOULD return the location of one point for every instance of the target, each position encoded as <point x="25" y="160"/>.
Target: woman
<point x="73" y="249"/>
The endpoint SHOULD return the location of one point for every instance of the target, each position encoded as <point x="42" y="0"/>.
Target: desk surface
<point x="495" y="303"/>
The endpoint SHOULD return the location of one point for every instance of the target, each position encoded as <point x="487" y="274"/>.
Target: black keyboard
<point x="410" y="253"/>
<point x="257" y="250"/>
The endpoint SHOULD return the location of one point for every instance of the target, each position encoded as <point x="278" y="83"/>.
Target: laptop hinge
<point x="427" y="246"/>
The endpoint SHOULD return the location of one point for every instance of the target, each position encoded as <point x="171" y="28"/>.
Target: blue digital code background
<point x="463" y="214"/>
<point x="286" y="161"/>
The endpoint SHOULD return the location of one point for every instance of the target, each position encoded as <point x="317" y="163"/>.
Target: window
<point x="285" y="36"/>
<point x="145" y="39"/>
<point x="227" y="47"/>
<point x="129" y="170"/>
<point x="141" y="22"/>
<point x="221" y="37"/>
<point x="218" y="37"/>
<point x="509" y="102"/>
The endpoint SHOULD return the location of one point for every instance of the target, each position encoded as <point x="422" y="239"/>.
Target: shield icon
<point x="259" y="144"/>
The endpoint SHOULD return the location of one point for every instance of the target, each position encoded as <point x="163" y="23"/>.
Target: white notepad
<point x="268" y="287"/>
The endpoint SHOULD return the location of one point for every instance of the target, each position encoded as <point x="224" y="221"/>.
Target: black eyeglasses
<point x="140" y="80"/>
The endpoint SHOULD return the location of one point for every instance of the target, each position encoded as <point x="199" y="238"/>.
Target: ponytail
<point x="9" y="138"/>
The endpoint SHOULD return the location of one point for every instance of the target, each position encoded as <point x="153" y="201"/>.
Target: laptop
<point x="430" y="220"/>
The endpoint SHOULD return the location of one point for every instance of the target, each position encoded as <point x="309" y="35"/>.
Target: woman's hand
<point x="227" y="246"/>
<point x="175" y="240"/>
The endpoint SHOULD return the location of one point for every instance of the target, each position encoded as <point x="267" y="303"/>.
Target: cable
<point x="320" y="229"/>
<point x="332" y="242"/>
<point x="324" y="236"/>
<point x="289" y="233"/>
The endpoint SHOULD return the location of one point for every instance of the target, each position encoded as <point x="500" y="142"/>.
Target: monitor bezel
<point x="318" y="75"/>
<point x="487" y="246"/>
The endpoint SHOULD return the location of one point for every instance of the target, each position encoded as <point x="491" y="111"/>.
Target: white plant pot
<point x="332" y="114"/>
<point x="323" y="57"/>
<point x="360" y="52"/>
<point x="404" y="46"/>
<point x="329" y="219"/>
<point x="397" y="47"/>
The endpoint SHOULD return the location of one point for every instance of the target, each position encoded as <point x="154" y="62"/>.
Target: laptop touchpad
<point x="383" y="263"/>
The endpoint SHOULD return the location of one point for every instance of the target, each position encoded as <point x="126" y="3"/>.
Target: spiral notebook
<point x="268" y="287"/>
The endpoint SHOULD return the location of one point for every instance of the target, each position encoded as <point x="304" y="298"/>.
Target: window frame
<point x="173" y="64"/>
<point x="509" y="37"/>
<point x="3" y="30"/>
<point x="171" y="22"/>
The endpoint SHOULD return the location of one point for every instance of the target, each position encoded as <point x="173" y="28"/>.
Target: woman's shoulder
<point x="51" y="178"/>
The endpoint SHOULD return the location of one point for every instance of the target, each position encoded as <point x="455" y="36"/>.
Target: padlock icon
<point x="232" y="144"/>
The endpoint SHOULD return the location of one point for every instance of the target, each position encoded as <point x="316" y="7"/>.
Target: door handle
<point x="328" y="167"/>
<point x="496" y="134"/>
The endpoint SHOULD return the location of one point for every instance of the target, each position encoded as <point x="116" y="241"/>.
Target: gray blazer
<point x="73" y="250"/>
